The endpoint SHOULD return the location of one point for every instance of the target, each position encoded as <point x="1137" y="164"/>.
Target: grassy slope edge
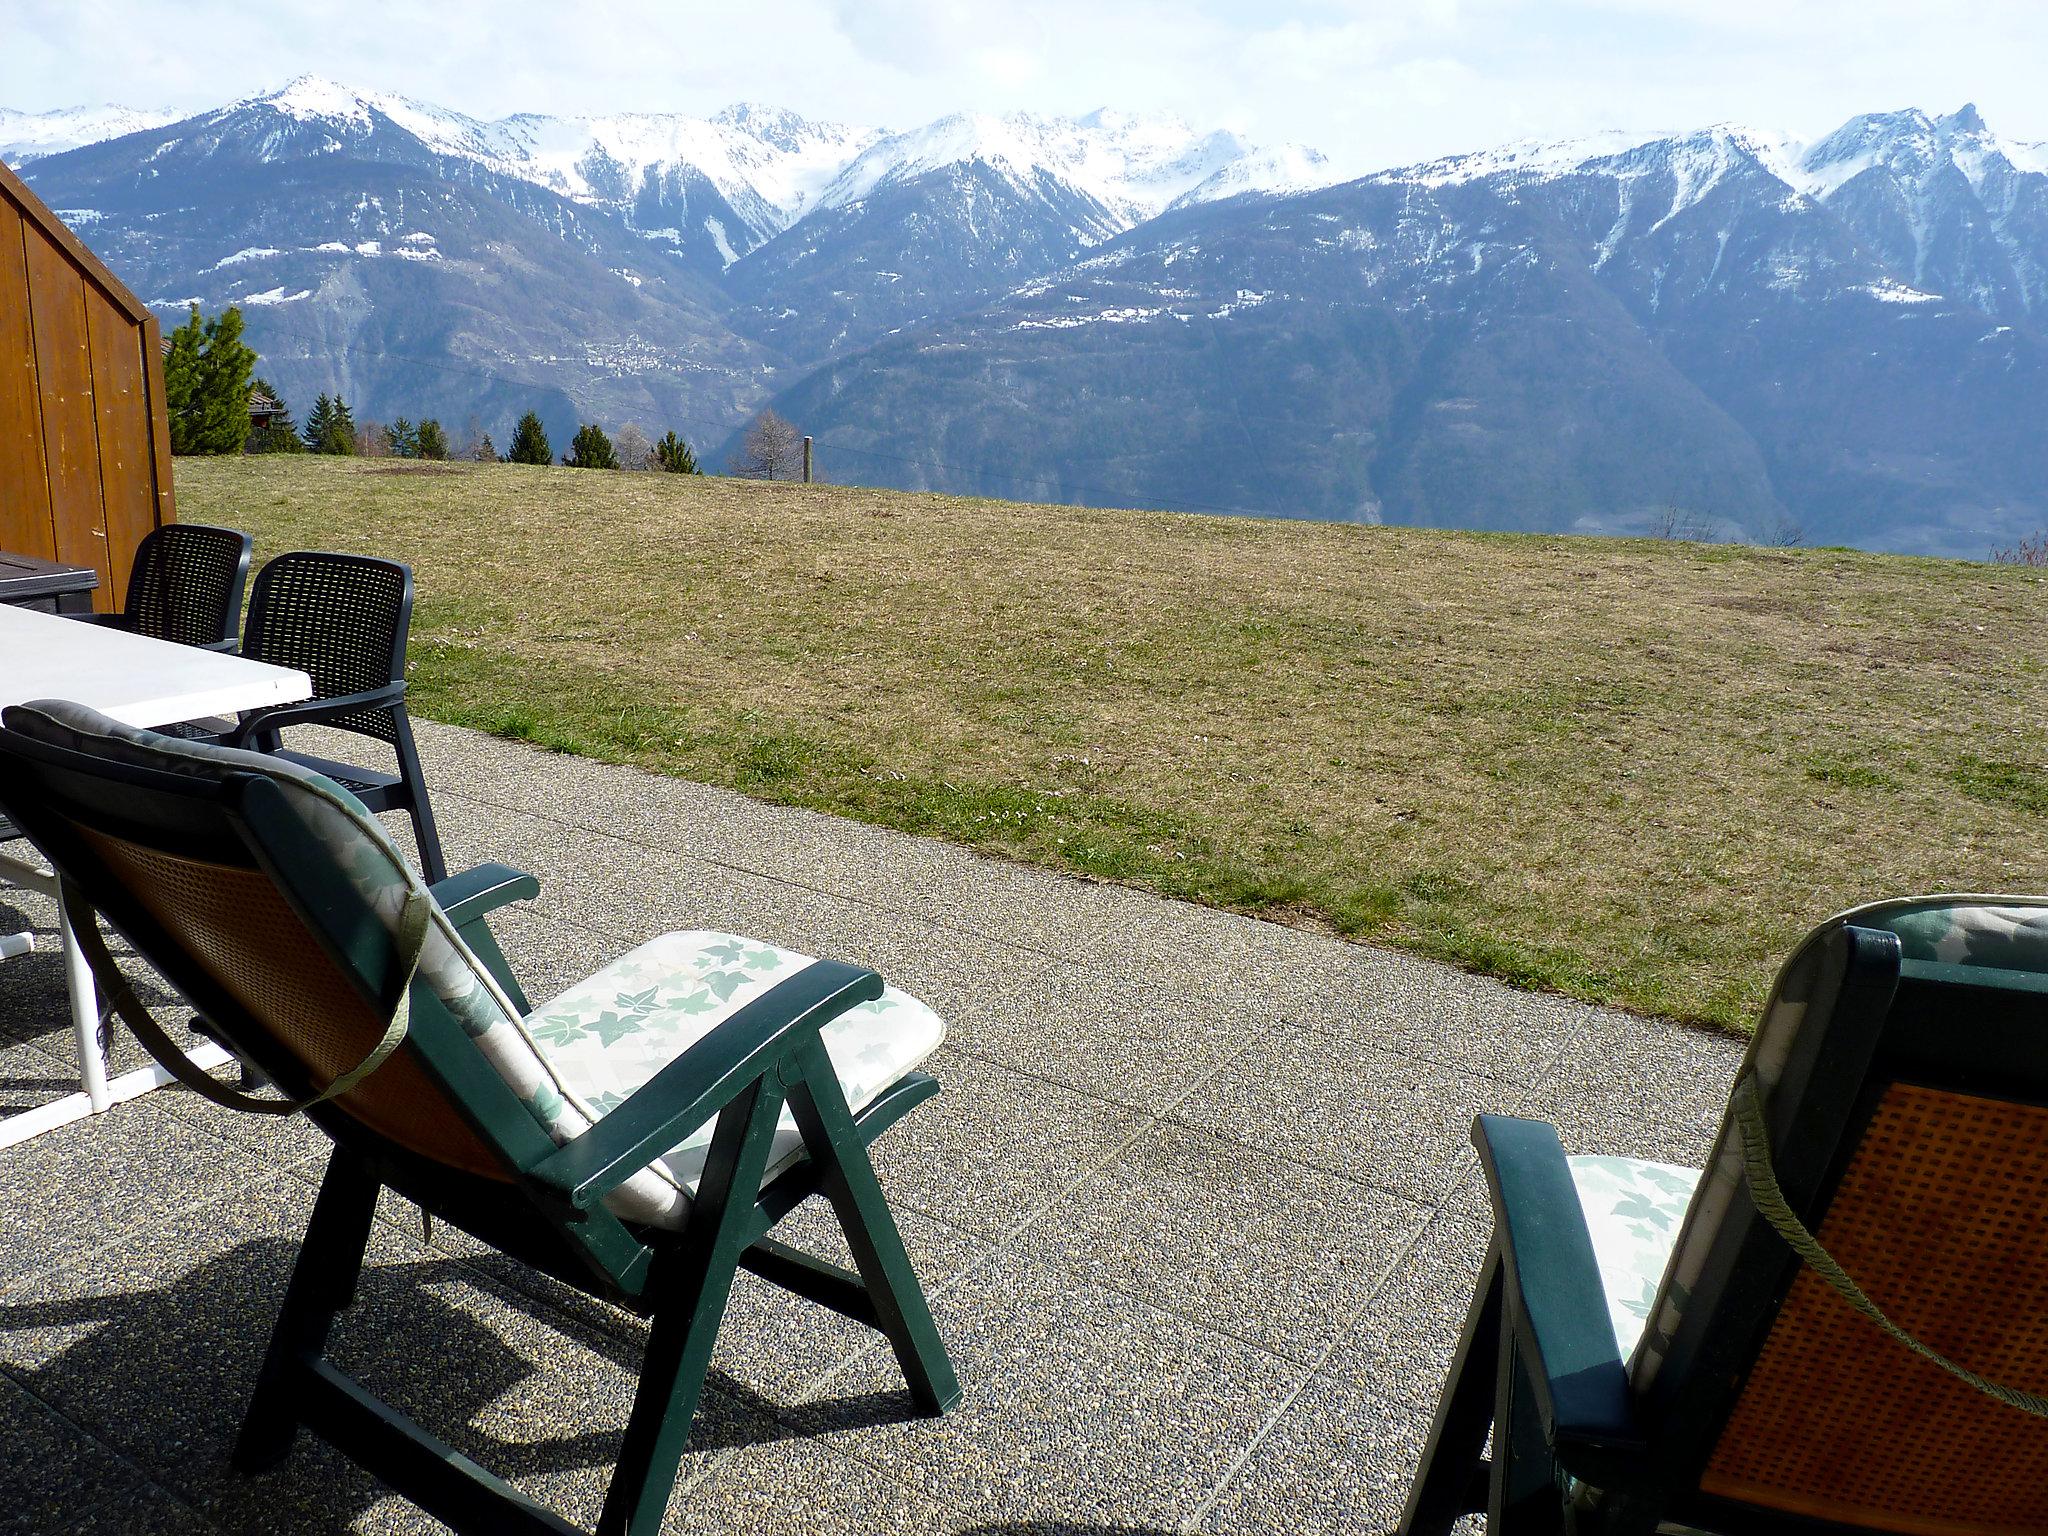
<point x="1632" y="772"/>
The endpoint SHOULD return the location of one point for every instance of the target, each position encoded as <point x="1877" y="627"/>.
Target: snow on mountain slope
<point x="770" y="166"/>
<point x="1134" y="166"/>
<point x="1278" y="171"/>
<point x="767" y="164"/>
<point x="26" y="136"/>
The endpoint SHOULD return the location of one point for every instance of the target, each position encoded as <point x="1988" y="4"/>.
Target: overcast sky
<point x="1370" y="84"/>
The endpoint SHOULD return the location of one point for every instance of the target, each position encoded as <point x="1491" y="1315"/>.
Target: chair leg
<point x="417" y="805"/>
<point x="1452" y="1477"/>
<point x="1523" y="1496"/>
<point x="694" y="1285"/>
<point x="834" y="1143"/>
<point x="322" y="1285"/>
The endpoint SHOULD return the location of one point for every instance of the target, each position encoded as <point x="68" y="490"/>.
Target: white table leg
<point x="85" y="1016"/>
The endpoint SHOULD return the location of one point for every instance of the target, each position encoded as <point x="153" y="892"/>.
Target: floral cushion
<point x="611" y="1032"/>
<point x="590" y="1079"/>
<point x="1633" y="1211"/>
<point x="1987" y="931"/>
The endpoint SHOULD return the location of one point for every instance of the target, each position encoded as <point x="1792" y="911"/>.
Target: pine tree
<point x="402" y="438"/>
<point x="181" y="381"/>
<point x="591" y="449"/>
<point x="433" y="442"/>
<point x="317" y="422"/>
<point x="484" y="451"/>
<point x="529" y="443"/>
<point x="339" y="435"/>
<point x="206" y="384"/>
<point x="673" y="455"/>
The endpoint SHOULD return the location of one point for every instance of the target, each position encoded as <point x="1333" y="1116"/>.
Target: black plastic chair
<point x="186" y="586"/>
<point x="342" y="620"/>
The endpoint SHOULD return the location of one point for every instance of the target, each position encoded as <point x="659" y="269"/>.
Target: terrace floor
<point x="1197" y="1210"/>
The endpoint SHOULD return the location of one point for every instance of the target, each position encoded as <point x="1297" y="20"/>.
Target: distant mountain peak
<point x="26" y="136"/>
<point x="314" y="96"/>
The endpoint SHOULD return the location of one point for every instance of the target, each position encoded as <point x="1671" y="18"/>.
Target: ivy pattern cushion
<point x="611" y="1032"/>
<point x="1633" y="1212"/>
<point x="1972" y="931"/>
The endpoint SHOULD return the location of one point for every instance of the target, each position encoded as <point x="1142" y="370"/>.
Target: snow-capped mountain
<point x="1842" y="341"/>
<point x="1133" y="167"/>
<point x="768" y="165"/>
<point x="26" y="136"/>
<point x="1847" y="337"/>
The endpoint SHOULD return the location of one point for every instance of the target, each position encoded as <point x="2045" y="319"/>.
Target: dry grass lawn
<point x="1629" y="771"/>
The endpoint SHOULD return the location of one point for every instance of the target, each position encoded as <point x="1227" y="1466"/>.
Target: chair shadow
<point x="162" y="1376"/>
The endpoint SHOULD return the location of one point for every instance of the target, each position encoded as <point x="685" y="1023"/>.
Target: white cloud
<point x="1370" y="83"/>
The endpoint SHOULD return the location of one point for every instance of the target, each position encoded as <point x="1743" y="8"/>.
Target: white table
<point x="142" y="682"/>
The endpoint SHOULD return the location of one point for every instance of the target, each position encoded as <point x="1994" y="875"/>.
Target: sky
<point x="1371" y="85"/>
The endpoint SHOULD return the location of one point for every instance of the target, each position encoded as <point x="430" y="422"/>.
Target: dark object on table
<point x="46" y="585"/>
<point x="186" y="586"/>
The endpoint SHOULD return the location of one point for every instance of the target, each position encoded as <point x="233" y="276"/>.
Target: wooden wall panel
<point x="120" y="399"/>
<point x="71" y="449"/>
<point x="24" y="489"/>
<point x="85" y="451"/>
<point x="159" y="419"/>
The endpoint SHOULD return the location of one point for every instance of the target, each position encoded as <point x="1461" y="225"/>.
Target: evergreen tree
<point x="485" y="451"/>
<point x="402" y="439"/>
<point x="206" y="384"/>
<point x="591" y="449"/>
<point x="280" y="436"/>
<point x="529" y="443"/>
<point x="181" y="380"/>
<point x="318" y="420"/>
<point x="433" y="442"/>
<point x="340" y="435"/>
<point x="673" y="454"/>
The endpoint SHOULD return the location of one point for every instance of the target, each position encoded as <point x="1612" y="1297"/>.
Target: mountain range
<point x="1723" y="330"/>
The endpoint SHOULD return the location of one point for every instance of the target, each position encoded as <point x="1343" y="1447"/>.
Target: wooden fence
<point x="85" y="447"/>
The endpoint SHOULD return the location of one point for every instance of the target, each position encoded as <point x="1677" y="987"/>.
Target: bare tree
<point x="1681" y="524"/>
<point x="771" y="450"/>
<point x="630" y="444"/>
<point x="1785" y="533"/>
<point x="2027" y="551"/>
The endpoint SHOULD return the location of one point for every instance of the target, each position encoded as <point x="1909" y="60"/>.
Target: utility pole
<point x="807" y="459"/>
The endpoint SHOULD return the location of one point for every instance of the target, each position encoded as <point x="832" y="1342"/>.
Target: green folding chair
<point x="637" y="1138"/>
<point x="1841" y="1325"/>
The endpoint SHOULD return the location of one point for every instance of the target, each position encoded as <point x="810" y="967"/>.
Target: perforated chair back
<point x="187" y="582"/>
<point x="340" y="619"/>
<point x="189" y="863"/>
<point x="1903" y="1063"/>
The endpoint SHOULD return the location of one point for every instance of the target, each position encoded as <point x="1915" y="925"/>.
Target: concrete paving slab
<point x="74" y="1191"/>
<point x="997" y="1147"/>
<point x="1084" y="1405"/>
<point x="1367" y="1114"/>
<point x="1264" y="1250"/>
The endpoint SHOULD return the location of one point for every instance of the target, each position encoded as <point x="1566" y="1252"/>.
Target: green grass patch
<point x="2019" y="785"/>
